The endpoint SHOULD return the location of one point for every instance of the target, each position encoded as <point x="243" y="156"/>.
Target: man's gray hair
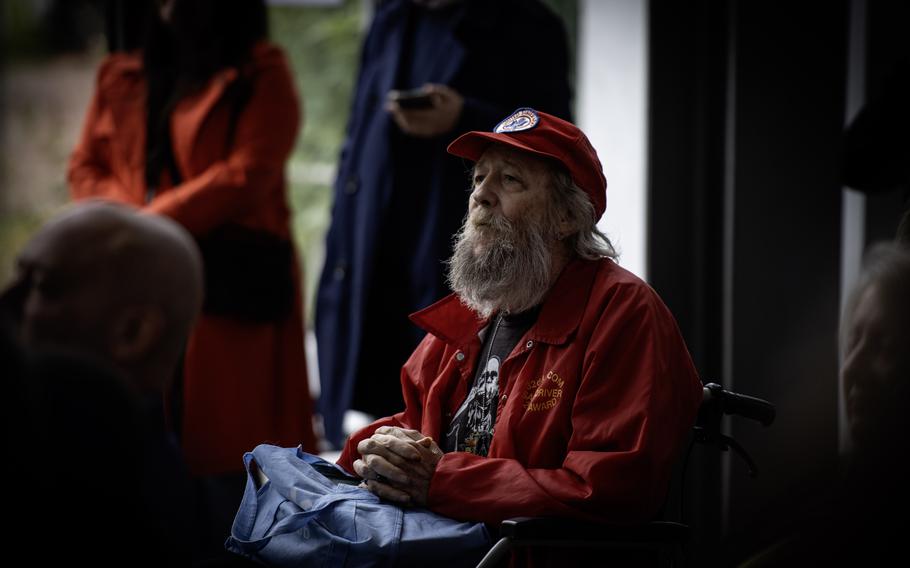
<point x="586" y="240"/>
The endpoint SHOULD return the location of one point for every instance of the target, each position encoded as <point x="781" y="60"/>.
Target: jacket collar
<point x="563" y="308"/>
<point x="451" y="321"/>
<point x="565" y="304"/>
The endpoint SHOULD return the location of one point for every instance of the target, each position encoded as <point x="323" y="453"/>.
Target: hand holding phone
<point x="411" y="98"/>
<point x="430" y="110"/>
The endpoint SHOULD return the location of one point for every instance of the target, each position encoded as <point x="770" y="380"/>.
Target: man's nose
<point x="483" y="194"/>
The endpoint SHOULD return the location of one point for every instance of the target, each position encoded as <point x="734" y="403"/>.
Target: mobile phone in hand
<point x="412" y="99"/>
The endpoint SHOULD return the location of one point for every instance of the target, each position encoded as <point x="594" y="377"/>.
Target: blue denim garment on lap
<point x="301" y="518"/>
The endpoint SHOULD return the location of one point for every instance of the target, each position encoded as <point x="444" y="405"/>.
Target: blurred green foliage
<point x="31" y="29"/>
<point x="19" y="26"/>
<point x="15" y="230"/>
<point x="323" y="44"/>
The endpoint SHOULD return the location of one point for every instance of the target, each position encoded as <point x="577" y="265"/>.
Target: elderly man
<point x="552" y="382"/>
<point x="101" y="305"/>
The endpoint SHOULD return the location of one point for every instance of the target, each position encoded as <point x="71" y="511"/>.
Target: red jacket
<point x="244" y="384"/>
<point x="595" y="402"/>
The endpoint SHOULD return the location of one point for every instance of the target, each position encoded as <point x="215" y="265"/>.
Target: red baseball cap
<point x="548" y="136"/>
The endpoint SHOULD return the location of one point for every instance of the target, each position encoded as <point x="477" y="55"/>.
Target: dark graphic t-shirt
<point x="471" y="429"/>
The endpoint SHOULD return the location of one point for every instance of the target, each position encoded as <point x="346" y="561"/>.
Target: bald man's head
<point x="108" y="282"/>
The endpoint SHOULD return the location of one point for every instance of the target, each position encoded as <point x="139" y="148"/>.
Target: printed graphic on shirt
<point x="472" y="426"/>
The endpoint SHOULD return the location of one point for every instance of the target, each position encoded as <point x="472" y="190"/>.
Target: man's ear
<point x="566" y="225"/>
<point x="137" y="330"/>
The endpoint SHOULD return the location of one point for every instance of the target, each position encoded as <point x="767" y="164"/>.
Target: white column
<point x="853" y="225"/>
<point x="612" y="110"/>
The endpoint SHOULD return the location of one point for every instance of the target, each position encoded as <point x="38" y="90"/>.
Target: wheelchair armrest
<point x="550" y="530"/>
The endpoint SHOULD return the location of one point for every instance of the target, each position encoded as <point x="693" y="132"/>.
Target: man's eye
<point x="511" y="179"/>
<point x="478" y="179"/>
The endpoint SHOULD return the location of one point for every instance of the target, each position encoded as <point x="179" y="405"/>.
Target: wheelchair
<point x="659" y="542"/>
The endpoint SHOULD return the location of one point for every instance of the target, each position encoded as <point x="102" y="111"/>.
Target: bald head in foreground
<point x="106" y="282"/>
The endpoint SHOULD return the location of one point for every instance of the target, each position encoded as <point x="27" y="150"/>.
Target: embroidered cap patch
<point x="521" y="119"/>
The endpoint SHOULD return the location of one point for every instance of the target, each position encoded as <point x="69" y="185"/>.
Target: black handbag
<point x="248" y="274"/>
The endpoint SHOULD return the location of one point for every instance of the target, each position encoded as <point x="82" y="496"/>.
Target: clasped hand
<point x="397" y="464"/>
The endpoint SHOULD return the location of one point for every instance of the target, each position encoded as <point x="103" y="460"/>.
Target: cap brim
<point x="472" y="145"/>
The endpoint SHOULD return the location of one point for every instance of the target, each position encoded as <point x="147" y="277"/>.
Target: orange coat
<point x="244" y="384"/>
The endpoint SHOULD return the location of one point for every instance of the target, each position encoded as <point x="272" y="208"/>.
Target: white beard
<point x="500" y="264"/>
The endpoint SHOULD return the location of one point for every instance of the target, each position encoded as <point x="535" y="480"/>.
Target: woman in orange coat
<point x="198" y="126"/>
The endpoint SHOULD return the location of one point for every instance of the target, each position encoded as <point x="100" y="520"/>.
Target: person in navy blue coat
<point x="399" y="197"/>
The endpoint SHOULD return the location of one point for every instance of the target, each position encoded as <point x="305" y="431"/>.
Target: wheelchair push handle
<point x="740" y="404"/>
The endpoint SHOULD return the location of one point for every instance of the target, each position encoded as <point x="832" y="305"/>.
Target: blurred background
<point x="51" y="50"/>
<point x="721" y="125"/>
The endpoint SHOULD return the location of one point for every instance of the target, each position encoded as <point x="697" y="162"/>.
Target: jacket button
<point x="529" y="344"/>
<point x="503" y="398"/>
<point x="340" y="271"/>
<point x="351" y="186"/>
<point x="459" y="356"/>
